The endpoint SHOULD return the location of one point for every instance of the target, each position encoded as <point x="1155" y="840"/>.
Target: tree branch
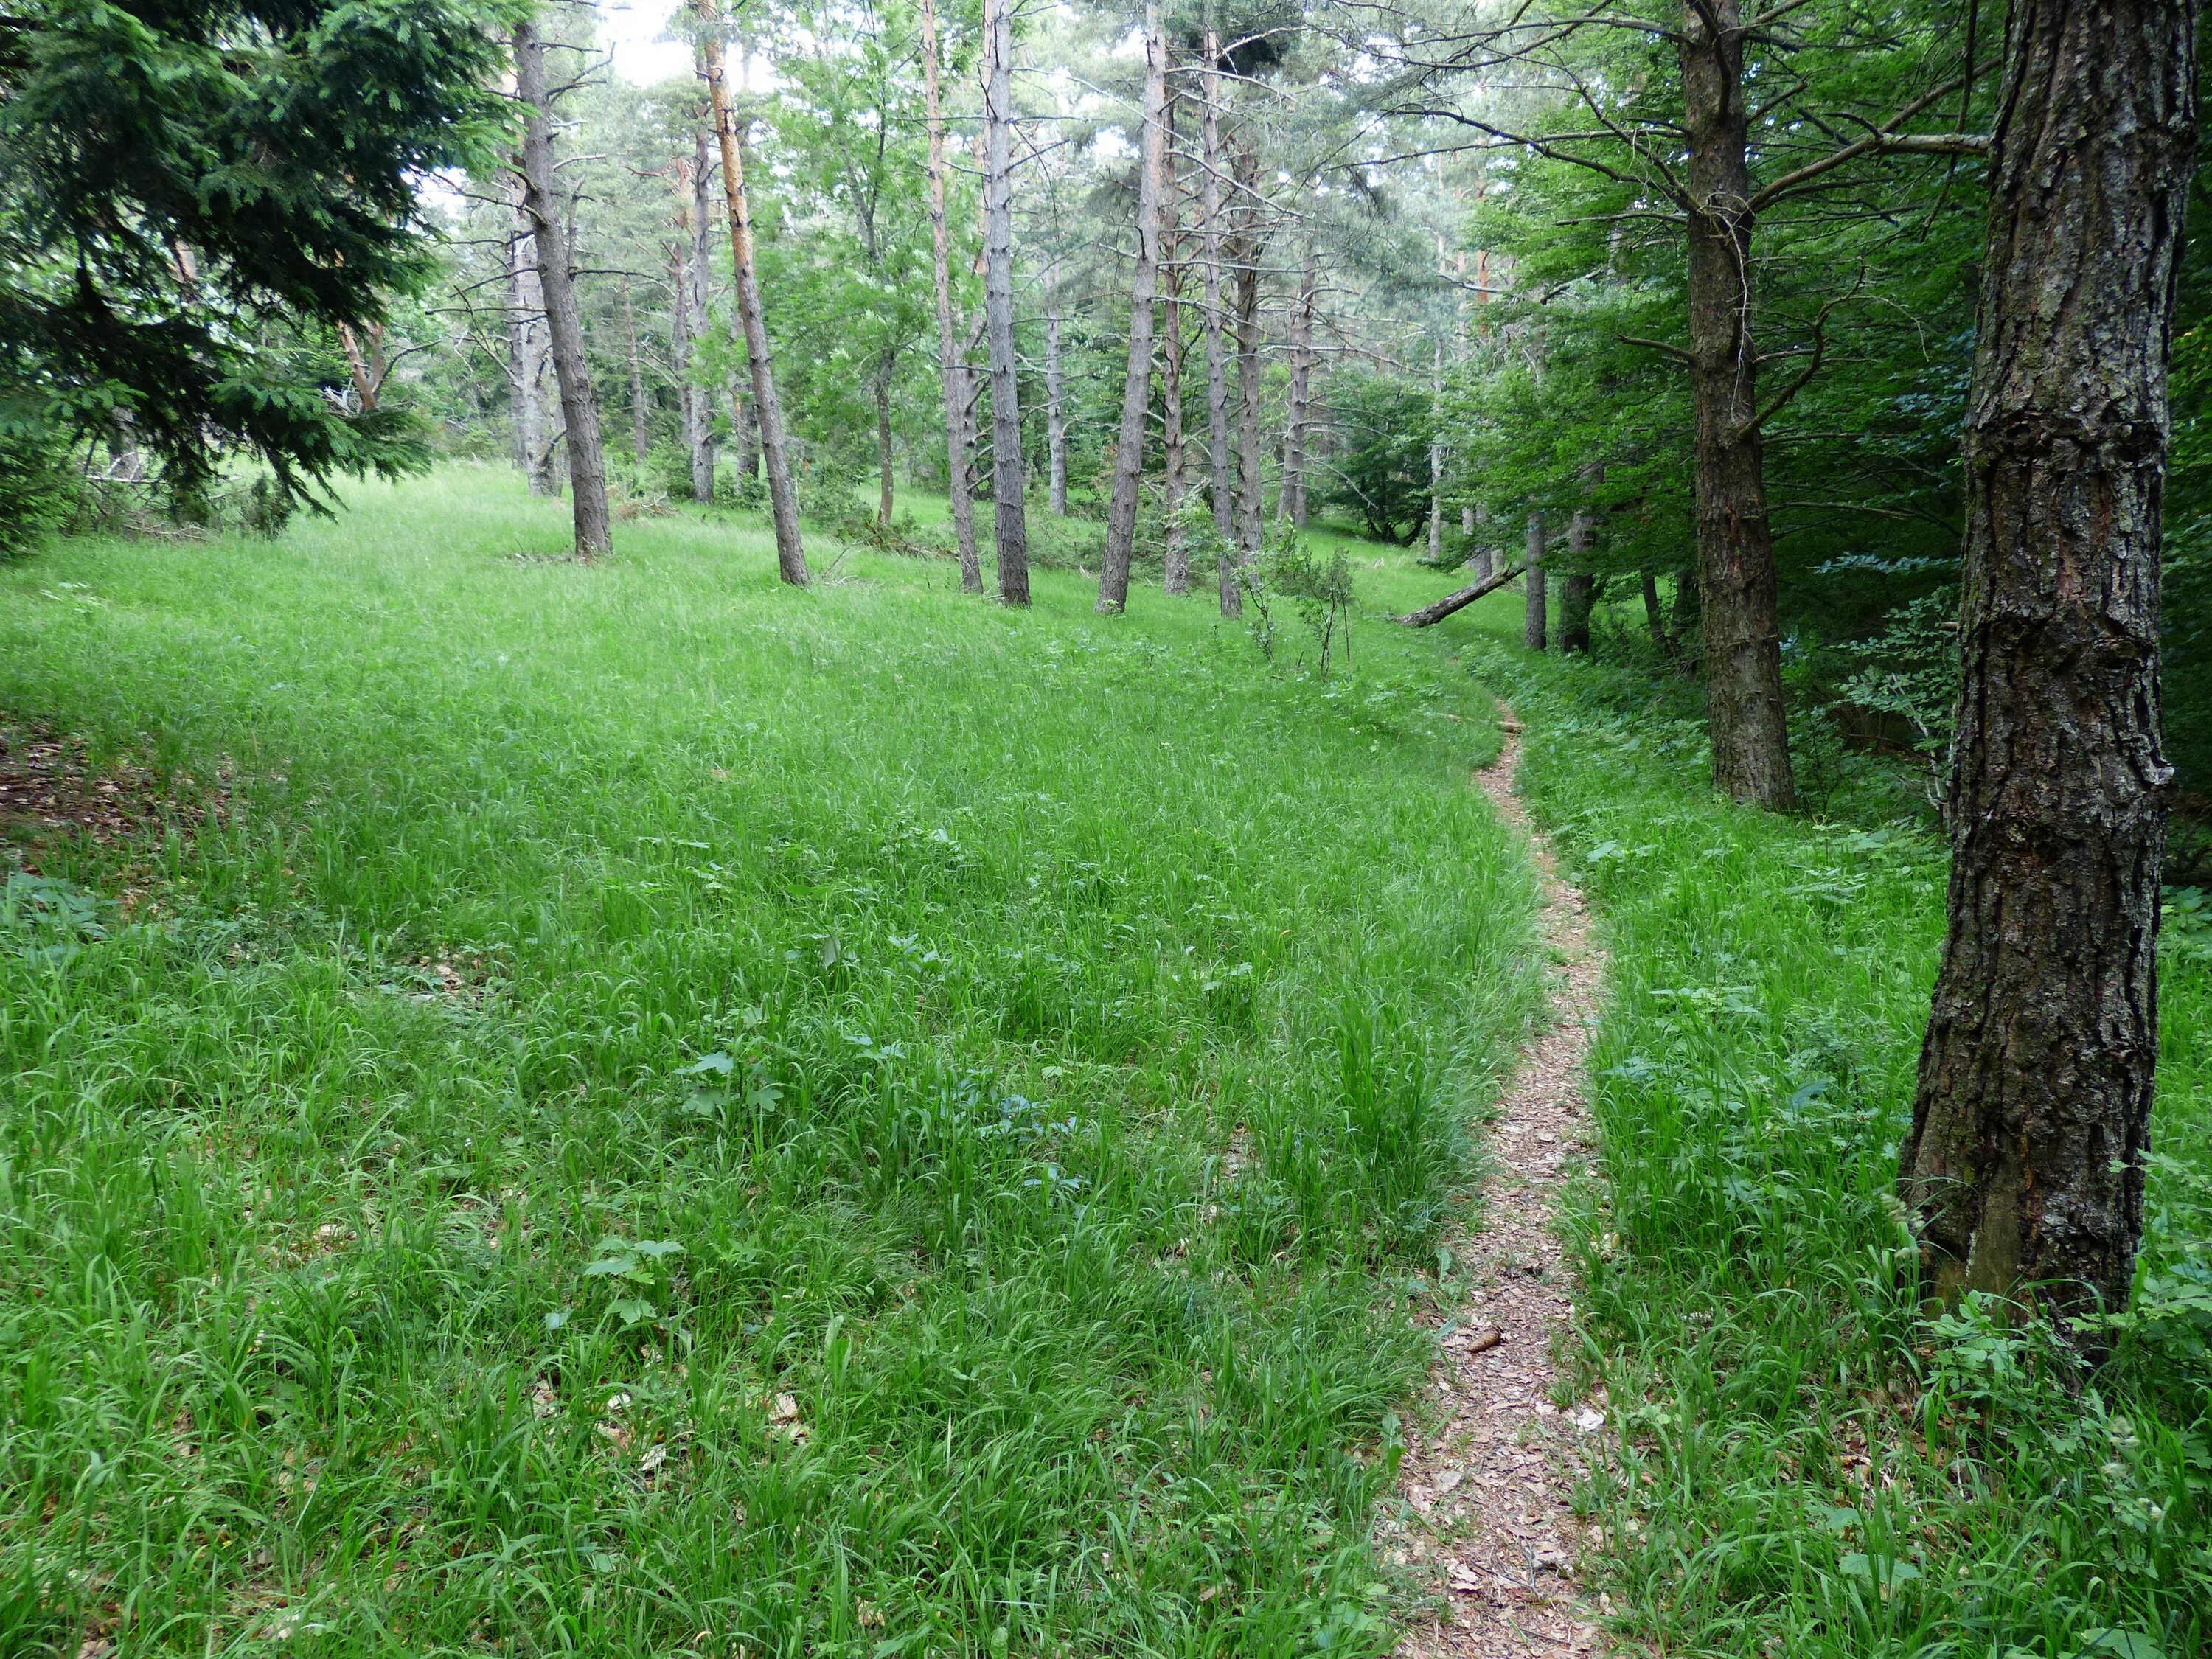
<point x="1453" y="602"/>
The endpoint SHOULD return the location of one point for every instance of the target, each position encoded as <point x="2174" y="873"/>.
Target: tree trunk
<point x="1291" y="503"/>
<point x="885" y="368"/>
<point x="1654" y="618"/>
<point x="1137" y="386"/>
<point x="1175" y="562"/>
<point x="1533" y="620"/>
<point x="698" y="285"/>
<point x="2031" y="1124"/>
<point x="366" y="369"/>
<point x="1251" y="456"/>
<point x="641" y="434"/>
<point x="1431" y="614"/>
<point x="530" y="360"/>
<point x="1579" y="592"/>
<point x="1217" y="356"/>
<point x="1436" y="456"/>
<point x="953" y="361"/>
<point x="782" y="499"/>
<point x="579" y="407"/>
<point x="749" y="450"/>
<point x="691" y="306"/>
<point x="1476" y="527"/>
<point x="1009" y="475"/>
<point x="1055" y="400"/>
<point x="1689" y="623"/>
<point x="1735" y="543"/>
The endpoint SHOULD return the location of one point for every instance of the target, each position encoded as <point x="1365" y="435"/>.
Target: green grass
<point x="857" y="1122"/>
<point x="671" y="1113"/>
<point x="1809" y="1467"/>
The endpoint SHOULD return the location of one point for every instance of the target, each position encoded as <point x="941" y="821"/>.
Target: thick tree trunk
<point x="698" y="286"/>
<point x="1291" y="500"/>
<point x="1533" y="620"/>
<point x="885" y="368"/>
<point x="1477" y="525"/>
<point x="530" y="360"/>
<point x="580" y="405"/>
<point x="1735" y="543"/>
<point x="1009" y="475"/>
<point x="1251" y="454"/>
<point x="2025" y="1166"/>
<point x="1055" y="398"/>
<point x="1137" y="386"/>
<point x="1216" y="356"/>
<point x="641" y="434"/>
<point x="952" y="361"/>
<point x="1176" y="560"/>
<point x="782" y="499"/>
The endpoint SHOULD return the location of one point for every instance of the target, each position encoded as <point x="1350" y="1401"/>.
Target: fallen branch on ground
<point x="1459" y="601"/>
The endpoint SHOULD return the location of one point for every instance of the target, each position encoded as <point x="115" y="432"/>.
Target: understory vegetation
<point x="1807" y="1465"/>
<point x="660" y="1111"/>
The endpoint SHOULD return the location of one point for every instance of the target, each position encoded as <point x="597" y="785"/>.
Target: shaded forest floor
<point x="631" y="1110"/>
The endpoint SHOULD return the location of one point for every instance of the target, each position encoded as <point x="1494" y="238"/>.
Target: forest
<point x="1180" y="827"/>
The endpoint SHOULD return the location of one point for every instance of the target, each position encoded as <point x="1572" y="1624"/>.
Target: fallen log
<point x="1459" y="601"/>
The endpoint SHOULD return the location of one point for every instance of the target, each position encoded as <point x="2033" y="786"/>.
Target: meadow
<point x="657" y="1111"/>
<point x="649" y="1111"/>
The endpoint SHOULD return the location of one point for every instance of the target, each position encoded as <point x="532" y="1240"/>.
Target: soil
<point x="1486" y="1519"/>
<point x="52" y="793"/>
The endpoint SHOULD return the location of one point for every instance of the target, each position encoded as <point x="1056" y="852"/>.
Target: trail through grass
<point x="670" y="1113"/>
<point x="1810" y="1467"/>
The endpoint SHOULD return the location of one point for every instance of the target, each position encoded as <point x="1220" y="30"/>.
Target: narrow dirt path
<point x="1486" y="1518"/>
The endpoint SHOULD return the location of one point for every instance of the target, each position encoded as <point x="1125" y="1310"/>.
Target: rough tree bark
<point x="1533" y="621"/>
<point x="1175" y="562"/>
<point x="1292" y="503"/>
<point x="2024" y="1169"/>
<point x="579" y="406"/>
<point x="1009" y="475"/>
<point x="1735" y="543"/>
<point x="782" y="499"/>
<point x="530" y="359"/>
<point x="1137" y="386"/>
<point x="1477" y="524"/>
<point x="1217" y="362"/>
<point x="698" y="286"/>
<point x="1055" y="400"/>
<point x="953" y="360"/>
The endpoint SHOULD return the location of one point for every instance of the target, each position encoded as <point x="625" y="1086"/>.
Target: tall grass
<point x="1809" y="1466"/>
<point x="673" y="1114"/>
